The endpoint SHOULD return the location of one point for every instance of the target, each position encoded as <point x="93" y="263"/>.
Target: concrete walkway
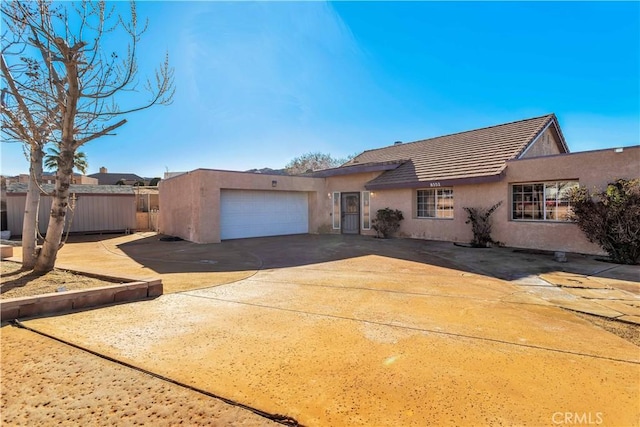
<point x="334" y="330"/>
<point x="584" y="283"/>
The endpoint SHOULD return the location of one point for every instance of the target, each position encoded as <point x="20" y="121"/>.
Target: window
<point x="541" y="201"/>
<point x="366" y="210"/>
<point x="336" y="210"/>
<point x="435" y="203"/>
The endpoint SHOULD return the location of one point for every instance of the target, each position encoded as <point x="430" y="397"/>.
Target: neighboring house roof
<point x="21" y="188"/>
<point x="473" y="156"/>
<point x="112" y="178"/>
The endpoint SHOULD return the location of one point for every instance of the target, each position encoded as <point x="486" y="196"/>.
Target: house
<point x="526" y="165"/>
<point x="96" y="208"/>
<point x="109" y="178"/>
<point x="50" y="178"/>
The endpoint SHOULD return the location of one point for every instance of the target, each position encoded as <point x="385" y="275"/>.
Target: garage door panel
<point x="262" y="213"/>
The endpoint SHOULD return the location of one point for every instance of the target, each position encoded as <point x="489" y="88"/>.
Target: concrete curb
<point x="52" y="303"/>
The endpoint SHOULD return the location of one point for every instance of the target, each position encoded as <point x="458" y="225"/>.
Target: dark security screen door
<point x="350" y="207"/>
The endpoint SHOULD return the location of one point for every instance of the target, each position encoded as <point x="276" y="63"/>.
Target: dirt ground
<point x="15" y="283"/>
<point x="628" y="331"/>
<point x="87" y="390"/>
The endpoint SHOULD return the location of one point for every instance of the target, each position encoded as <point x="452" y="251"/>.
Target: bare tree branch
<point x="103" y="132"/>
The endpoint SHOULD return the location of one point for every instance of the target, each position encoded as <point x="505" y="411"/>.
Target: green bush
<point x="480" y="220"/>
<point x="611" y="218"/>
<point x="387" y="222"/>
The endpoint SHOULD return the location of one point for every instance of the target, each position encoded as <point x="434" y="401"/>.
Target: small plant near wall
<point x="611" y="218"/>
<point x="387" y="222"/>
<point x="480" y="220"/>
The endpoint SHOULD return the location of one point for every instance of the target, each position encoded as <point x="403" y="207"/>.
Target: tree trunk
<point x="57" y="219"/>
<point x="32" y="204"/>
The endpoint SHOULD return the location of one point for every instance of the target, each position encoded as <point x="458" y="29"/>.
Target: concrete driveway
<point x="333" y="330"/>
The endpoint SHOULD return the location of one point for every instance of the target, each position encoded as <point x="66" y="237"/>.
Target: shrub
<point x="387" y="222"/>
<point x="480" y="220"/>
<point x="611" y="218"/>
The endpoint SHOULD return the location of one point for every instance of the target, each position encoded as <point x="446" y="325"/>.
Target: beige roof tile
<point x="471" y="155"/>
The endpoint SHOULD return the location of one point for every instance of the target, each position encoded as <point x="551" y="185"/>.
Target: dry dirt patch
<point x="47" y="383"/>
<point x="628" y="331"/>
<point x="15" y="282"/>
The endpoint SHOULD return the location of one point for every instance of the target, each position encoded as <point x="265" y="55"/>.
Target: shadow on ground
<point x="270" y="252"/>
<point x="300" y="250"/>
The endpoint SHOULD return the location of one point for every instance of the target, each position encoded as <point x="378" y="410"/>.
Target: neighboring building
<point x="108" y="178"/>
<point x="96" y="208"/>
<point x="525" y="164"/>
<point x="50" y="178"/>
<point x="172" y="174"/>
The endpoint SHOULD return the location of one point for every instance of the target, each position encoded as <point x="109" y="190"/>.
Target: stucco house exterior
<point x="525" y="164"/>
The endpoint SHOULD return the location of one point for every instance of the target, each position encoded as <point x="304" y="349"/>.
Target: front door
<point x="350" y="213"/>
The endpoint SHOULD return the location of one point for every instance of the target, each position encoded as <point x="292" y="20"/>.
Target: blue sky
<point x="261" y="83"/>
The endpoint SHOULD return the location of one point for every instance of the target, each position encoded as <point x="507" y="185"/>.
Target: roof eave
<point x="565" y="146"/>
<point x="483" y="179"/>
<point x="354" y="169"/>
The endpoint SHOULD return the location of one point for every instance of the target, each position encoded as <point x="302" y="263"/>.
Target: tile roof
<point x="113" y="178"/>
<point x="21" y="188"/>
<point x="472" y="155"/>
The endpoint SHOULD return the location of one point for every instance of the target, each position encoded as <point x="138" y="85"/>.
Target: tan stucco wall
<point x="453" y="230"/>
<point x="180" y="197"/>
<point x="191" y="201"/>
<point x="547" y="144"/>
<point x="592" y="169"/>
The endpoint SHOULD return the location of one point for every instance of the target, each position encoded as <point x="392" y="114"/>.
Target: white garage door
<point x="245" y="213"/>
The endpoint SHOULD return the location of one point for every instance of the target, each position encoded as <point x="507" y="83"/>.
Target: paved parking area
<point x="333" y="330"/>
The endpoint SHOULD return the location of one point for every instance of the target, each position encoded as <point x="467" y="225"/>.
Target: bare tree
<point x="61" y="76"/>
<point x="26" y="122"/>
<point x="311" y="162"/>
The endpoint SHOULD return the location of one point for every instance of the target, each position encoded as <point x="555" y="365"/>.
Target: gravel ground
<point x="15" y="282"/>
<point x="45" y="382"/>
<point x="628" y="331"/>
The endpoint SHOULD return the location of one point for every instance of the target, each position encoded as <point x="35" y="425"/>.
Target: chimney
<point x="103" y="170"/>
